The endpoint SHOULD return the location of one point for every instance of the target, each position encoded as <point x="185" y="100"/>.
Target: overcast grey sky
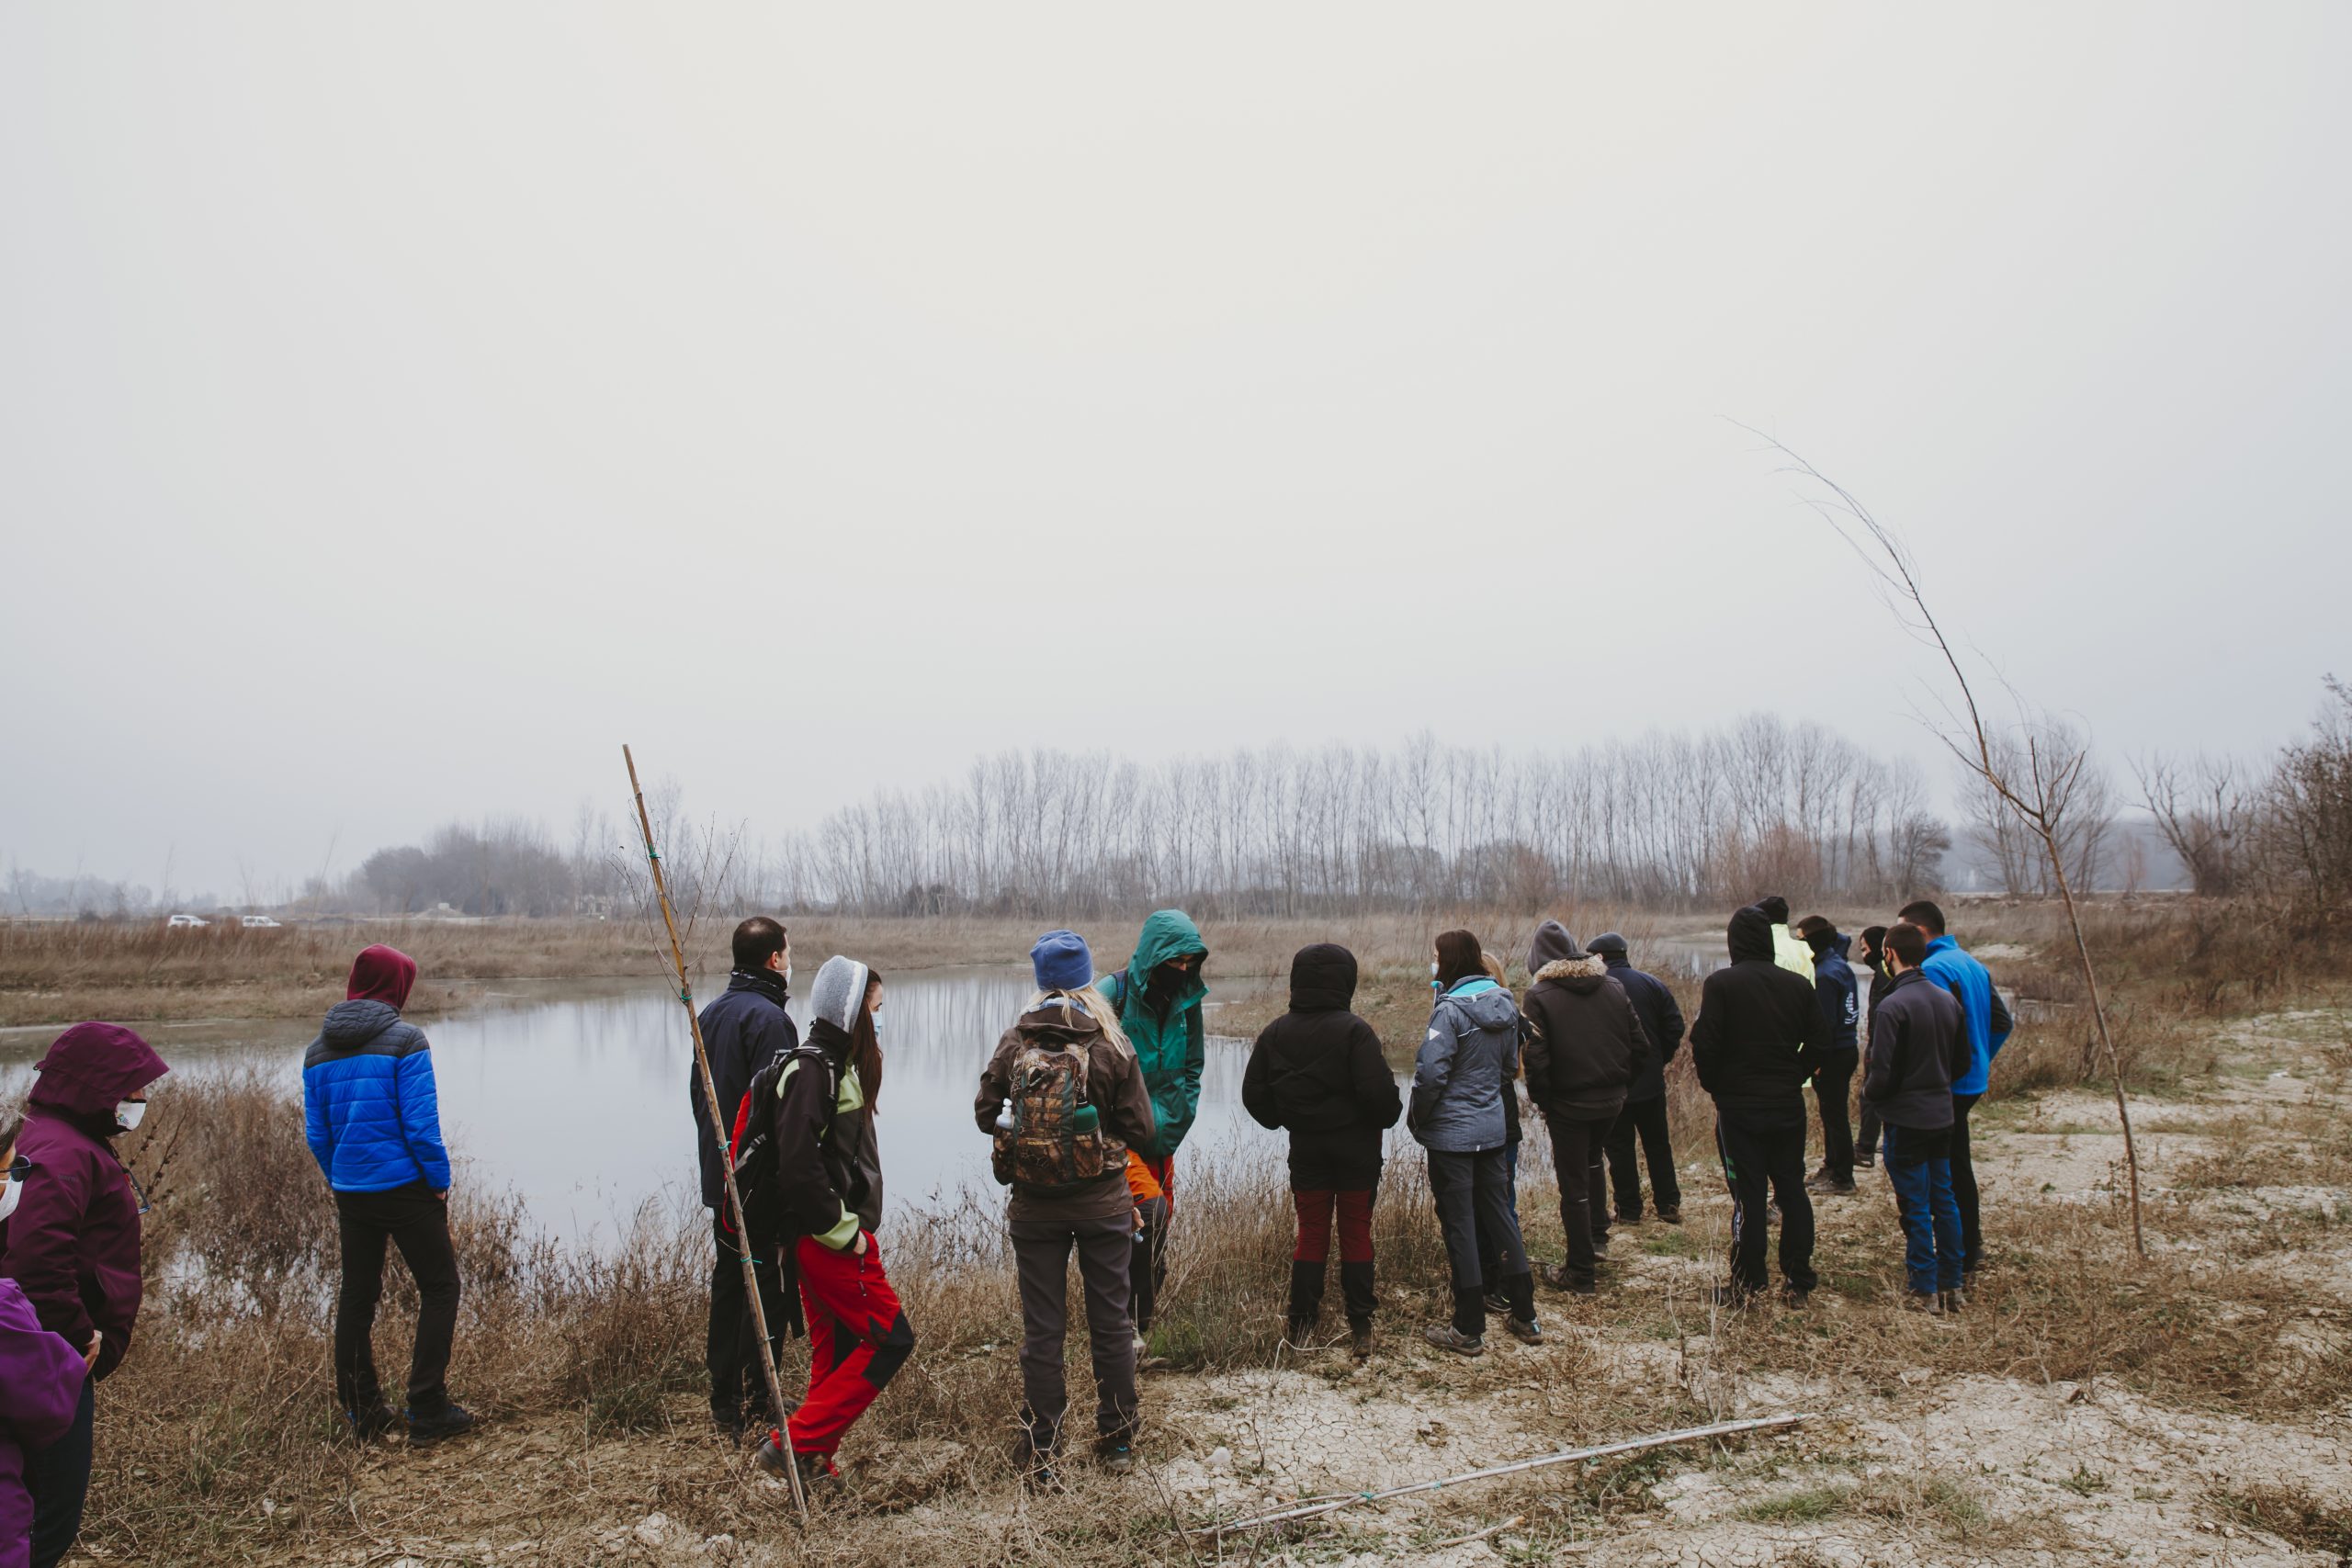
<point x="402" y="406"/>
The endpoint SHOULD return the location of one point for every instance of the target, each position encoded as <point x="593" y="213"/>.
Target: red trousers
<point x="1315" y="1225"/>
<point x="858" y="1338"/>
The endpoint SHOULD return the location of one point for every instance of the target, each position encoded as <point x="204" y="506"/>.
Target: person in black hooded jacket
<point x="1644" y="1112"/>
<point x="1317" y="1072"/>
<point x="1584" y="1047"/>
<point x="1758" y="1039"/>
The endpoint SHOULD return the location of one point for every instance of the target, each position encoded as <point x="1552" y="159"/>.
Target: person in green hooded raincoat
<point x="1158" y="996"/>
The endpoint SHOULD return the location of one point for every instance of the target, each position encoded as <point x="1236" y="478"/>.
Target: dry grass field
<point x="2091" y="1406"/>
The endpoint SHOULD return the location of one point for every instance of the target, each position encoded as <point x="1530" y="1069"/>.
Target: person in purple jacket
<point x="71" y="1245"/>
<point x="42" y="1377"/>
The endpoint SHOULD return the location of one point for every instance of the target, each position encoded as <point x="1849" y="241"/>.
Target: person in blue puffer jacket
<point x="374" y="1122"/>
<point x="1985" y="1020"/>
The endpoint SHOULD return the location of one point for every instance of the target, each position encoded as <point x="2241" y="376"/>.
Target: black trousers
<point x="739" y="1387"/>
<point x="1832" y="1087"/>
<point x="58" y="1478"/>
<point x="1645" y="1117"/>
<point x="1472" y="1191"/>
<point x="1578" y="1149"/>
<point x="412" y="1219"/>
<point x="1868" y="1147"/>
<point x="1766" y="1148"/>
<point x="1963" y="1185"/>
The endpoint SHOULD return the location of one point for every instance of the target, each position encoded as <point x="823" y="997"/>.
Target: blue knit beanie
<point x="1062" y="961"/>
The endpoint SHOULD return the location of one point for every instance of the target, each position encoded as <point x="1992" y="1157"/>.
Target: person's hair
<point x="11" y="1127"/>
<point x="1493" y="966"/>
<point x="864" y="1050"/>
<point x="1459" y="956"/>
<point x="1874" y="942"/>
<point x="757" y="940"/>
<point x="1907" y="943"/>
<point x="1812" y="925"/>
<point x="1924" y="915"/>
<point x="1092" y="1002"/>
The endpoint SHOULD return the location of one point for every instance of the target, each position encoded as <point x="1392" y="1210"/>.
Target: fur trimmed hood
<point x="1590" y="965"/>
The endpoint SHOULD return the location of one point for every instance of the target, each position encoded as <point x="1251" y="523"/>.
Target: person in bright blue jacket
<point x="1987" y="1023"/>
<point x="374" y="1122"/>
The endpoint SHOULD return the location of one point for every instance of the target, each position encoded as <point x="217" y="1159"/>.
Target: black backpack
<point x="751" y="1149"/>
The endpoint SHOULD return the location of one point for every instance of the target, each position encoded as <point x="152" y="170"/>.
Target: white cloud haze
<point x="400" y="407"/>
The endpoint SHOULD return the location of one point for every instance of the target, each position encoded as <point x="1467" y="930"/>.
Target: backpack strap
<point x="1113" y="987"/>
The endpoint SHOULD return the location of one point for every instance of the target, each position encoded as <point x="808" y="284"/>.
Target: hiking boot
<point x="1360" y="1341"/>
<point x="1034" y="1467"/>
<point x="1298" y="1333"/>
<point x="1731" y="1297"/>
<point x="1600" y="1244"/>
<point x="1828" y="1180"/>
<point x="1497" y="1303"/>
<point x="1796" y="1295"/>
<point x="1559" y="1279"/>
<point x="369" y="1424"/>
<point x="1953" y="1301"/>
<point x="1865" y="1160"/>
<point x="1670" y="1212"/>
<point x="1119" y="1459"/>
<point x="1928" y="1302"/>
<point x="451" y="1420"/>
<point x="1145" y="1360"/>
<point x="1625" y="1219"/>
<point x="1445" y="1337"/>
<point x="1523" y="1329"/>
<point x="818" y="1474"/>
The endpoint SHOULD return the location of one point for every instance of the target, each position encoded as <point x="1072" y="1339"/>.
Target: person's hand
<point x="1138" y="1217"/>
<point x="90" y="1355"/>
<point x="442" y="1195"/>
<point x="859" y="1247"/>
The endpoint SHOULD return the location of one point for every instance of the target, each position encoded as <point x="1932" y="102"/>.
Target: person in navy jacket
<point x="374" y="1123"/>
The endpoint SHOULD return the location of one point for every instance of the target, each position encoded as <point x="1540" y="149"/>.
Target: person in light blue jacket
<point x="1468" y="1062"/>
<point x="373" y="1118"/>
<point x="1987" y="1023"/>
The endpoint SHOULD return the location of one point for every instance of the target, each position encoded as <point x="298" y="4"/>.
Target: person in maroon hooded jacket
<point x="73" y="1243"/>
<point x="42" y="1377"/>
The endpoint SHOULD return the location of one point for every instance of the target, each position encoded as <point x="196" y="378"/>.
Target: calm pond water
<point x="574" y="1093"/>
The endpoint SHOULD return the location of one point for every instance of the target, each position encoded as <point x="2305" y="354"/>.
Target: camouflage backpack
<point x="1055" y="1142"/>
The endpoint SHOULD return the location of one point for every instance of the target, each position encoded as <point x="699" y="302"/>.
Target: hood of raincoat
<point x="1167" y="933"/>
<point x="838" y="993"/>
<point x="1486" y="1005"/>
<point x="1750" y="935"/>
<point x="93" y="1065"/>
<point x="1322" y="979"/>
<point x="381" y="974"/>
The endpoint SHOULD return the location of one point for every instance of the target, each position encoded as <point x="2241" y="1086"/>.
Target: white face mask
<point x="877" y="1015"/>
<point x="10" y="1192"/>
<point x="127" y="1113"/>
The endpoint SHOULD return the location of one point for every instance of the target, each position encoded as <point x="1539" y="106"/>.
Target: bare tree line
<point x="2282" y="829"/>
<point x="1668" y="819"/>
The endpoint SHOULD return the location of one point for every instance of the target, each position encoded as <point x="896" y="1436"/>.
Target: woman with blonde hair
<point x="1064" y="1097"/>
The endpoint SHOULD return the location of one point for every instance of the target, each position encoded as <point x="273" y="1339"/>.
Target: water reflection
<point x="574" y="1093"/>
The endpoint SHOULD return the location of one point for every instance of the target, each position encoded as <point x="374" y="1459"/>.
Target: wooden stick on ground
<point x="1570" y="1456"/>
<point x="718" y="1130"/>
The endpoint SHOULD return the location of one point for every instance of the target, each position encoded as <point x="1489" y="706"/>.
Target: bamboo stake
<point x="1570" y="1456"/>
<point x="726" y="1170"/>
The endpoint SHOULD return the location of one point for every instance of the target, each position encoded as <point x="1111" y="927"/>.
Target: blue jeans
<point x="1919" y="1165"/>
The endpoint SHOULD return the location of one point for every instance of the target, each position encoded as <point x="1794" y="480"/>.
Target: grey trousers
<point x="1041" y="1252"/>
